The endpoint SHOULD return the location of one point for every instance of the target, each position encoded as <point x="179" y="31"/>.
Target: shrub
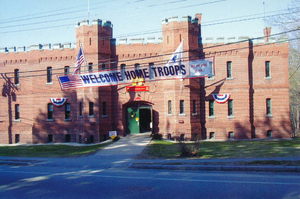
<point x="157" y="136"/>
<point x="188" y="150"/>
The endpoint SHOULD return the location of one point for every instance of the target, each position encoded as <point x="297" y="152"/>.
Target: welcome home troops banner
<point x="185" y="69"/>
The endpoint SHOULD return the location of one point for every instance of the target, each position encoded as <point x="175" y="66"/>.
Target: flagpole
<point x="83" y="97"/>
<point x="88" y="10"/>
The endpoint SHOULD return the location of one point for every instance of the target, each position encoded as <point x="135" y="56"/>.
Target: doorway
<point x="139" y="119"/>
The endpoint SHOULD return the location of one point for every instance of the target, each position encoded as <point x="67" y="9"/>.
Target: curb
<point x="14" y="163"/>
<point x="19" y="162"/>
<point x="216" y="167"/>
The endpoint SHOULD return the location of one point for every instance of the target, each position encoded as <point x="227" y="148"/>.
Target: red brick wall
<point x="249" y="88"/>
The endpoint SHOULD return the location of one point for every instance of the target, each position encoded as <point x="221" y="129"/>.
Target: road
<point x="106" y="175"/>
<point x="42" y="181"/>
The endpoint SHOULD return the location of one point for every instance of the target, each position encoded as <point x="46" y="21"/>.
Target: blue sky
<point x="27" y="22"/>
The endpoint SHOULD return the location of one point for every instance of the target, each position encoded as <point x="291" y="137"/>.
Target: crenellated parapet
<point x="145" y="41"/>
<point x="97" y="22"/>
<point x="183" y="19"/>
<point x="38" y="47"/>
<point x="241" y="39"/>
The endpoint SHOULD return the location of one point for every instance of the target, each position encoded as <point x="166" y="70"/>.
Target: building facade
<point x="254" y="73"/>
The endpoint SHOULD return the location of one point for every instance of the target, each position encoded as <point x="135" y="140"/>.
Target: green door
<point x="133" y="120"/>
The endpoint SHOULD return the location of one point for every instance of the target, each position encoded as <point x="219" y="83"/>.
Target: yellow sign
<point x="138" y="81"/>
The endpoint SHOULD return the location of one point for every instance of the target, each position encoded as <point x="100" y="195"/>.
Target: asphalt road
<point x="107" y="175"/>
<point x="67" y="182"/>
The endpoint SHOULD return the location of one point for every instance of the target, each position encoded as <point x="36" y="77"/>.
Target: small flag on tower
<point x="177" y="56"/>
<point x="80" y="60"/>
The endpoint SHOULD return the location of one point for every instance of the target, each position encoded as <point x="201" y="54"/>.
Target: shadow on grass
<point x="51" y="150"/>
<point x="228" y="149"/>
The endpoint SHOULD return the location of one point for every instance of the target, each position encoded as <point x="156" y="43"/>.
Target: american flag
<point x="70" y="81"/>
<point x="80" y="60"/>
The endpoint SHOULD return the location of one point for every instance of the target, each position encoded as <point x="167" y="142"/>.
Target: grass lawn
<point x="50" y="150"/>
<point x="228" y="149"/>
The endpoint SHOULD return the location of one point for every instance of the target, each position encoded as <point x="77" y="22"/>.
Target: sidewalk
<point x="121" y="155"/>
<point x="214" y="164"/>
<point x="117" y="155"/>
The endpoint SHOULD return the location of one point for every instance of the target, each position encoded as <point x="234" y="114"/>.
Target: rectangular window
<point x="211" y="70"/>
<point x="50" y="111"/>
<point x="91" y="109"/>
<point x="268" y="69"/>
<point x="211" y="108"/>
<point x="230" y="107"/>
<point x="194" y="107"/>
<point x="169" y="107"/>
<point x="103" y="67"/>
<point x="67" y="70"/>
<point x="104" y="110"/>
<point x="229" y="69"/>
<point x="231" y="135"/>
<point x="123" y="67"/>
<point x="151" y="72"/>
<point x="17" y="138"/>
<point x="212" y="135"/>
<point x="49" y="74"/>
<point x="181" y="107"/>
<point x="67" y="111"/>
<point x="90" y="67"/>
<point x="80" y="109"/>
<point x="136" y="66"/>
<point x="269" y="134"/>
<point x="268" y="106"/>
<point x="17" y="76"/>
<point x="17" y="111"/>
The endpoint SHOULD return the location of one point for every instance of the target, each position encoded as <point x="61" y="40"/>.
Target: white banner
<point x="186" y="69"/>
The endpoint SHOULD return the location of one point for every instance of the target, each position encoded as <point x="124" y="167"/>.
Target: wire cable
<point x="164" y="61"/>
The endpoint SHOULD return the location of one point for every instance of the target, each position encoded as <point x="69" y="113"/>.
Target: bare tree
<point x="288" y="21"/>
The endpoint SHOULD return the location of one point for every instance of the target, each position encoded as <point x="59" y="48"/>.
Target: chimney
<point x="267" y="33"/>
<point x="199" y="16"/>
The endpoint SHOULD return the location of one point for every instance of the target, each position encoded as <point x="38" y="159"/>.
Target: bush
<point x="188" y="150"/>
<point x="157" y="136"/>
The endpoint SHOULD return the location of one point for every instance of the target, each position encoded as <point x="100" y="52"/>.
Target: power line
<point x="34" y="16"/>
<point x="294" y="72"/>
<point x="137" y="33"/>
<point x="42" y="22"/>
<point x="246" y="19"/>
<point x="163" y="61"/>
<point x="30" y="17"/>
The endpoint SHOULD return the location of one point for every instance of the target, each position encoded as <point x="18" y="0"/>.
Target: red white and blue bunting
<point x="58" y="101"/>
<point x="220" y="98"/>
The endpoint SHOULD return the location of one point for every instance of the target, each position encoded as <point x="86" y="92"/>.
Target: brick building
<point x="253" y="72"/>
